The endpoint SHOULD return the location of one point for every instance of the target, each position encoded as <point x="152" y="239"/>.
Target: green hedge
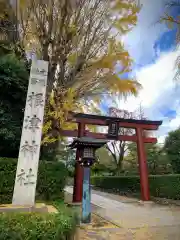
<point x="41" y="226"/>
<point x="50" y="185"/>
<point x="166" y="186"/>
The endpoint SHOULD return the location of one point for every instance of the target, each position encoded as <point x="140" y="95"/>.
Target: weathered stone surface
<point x="27" y="167"/>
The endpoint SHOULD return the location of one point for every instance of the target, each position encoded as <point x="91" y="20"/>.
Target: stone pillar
<point x="27" y="167"/>
<point x="86" y="200"/>
<point x="78" y="177"/>
<point x="143" y="168"/>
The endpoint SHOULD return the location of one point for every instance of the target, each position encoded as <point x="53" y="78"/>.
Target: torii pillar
<point x="78" y="176"/>
<point x="143" y="168"/>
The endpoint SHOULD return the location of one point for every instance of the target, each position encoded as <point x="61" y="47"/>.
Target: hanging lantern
<point x="88" y="152"/>
<point x="88" y="147"/>
<point x="113" y="129"/>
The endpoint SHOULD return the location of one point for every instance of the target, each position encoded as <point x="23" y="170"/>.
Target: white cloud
<point x="168" y="125"/>
<point x="156" y="78"/>
<point x="159" y="92"/>
<point x="140" y="41"/>
<point x="175" y="123"/>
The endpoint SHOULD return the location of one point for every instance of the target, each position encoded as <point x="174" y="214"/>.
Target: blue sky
<point x="152" y="46"/>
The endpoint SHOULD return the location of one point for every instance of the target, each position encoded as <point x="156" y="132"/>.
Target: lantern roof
<point x="87" y="142"/>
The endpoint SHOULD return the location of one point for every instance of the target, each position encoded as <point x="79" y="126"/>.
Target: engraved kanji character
<point x="27" y="148"/>
<point x="35" y="99"/>
<point x="39" y="71"/>
<point x="33" y="148"/>
<point x="38" y="99"/>
<point x="32" y="123"/>
<point x="43" y="72"/>
<point x="35" y="81"/>
<point x="20" y="177"/>
<point x="29" y="177"/>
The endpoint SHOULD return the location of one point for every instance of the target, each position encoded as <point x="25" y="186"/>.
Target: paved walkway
<point x="148" y="221"/>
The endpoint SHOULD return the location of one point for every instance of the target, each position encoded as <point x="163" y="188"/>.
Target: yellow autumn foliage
<point x="58" y="111"/>
<point x="78" y="42"/>
<point x="60" y="114"/>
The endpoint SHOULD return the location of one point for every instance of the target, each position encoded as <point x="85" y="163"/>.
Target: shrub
<point x="100" y="169"/>
<point x="50" y="185"/>
<point x="32" y="226"/>
<point x="127" y="184"/>
<point x="52" y="178"/>
<point x="7" y="176"/>
<point x="167" y="186"/>
<point x="71" y="172"/>
<point x="13" y="90"/>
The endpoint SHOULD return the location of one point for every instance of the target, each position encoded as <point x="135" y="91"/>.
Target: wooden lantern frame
<point x="86" y="143"/>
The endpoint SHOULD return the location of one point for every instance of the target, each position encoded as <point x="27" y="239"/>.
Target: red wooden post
<point x="143" y="168"/>
<point x="78" y="177"/>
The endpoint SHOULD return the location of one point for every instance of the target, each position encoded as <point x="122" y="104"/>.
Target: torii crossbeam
<point x="139" y="137"/>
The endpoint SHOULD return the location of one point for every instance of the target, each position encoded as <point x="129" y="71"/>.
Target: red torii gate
<point x="140" y="138"/>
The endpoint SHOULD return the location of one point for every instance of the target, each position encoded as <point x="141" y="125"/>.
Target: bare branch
<point x="120" y="148"/>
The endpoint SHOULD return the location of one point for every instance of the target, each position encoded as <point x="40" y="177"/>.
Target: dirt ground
<point x="103" y="229"/>
<point x="98" y="229"/>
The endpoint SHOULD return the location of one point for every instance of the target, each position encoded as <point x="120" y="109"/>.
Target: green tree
<point x="104" y="163"/>
<point x="171" y="147"/>
<point x="61" y="153"/>
<point x="104" y="157"/>
<point x="13" y="90"/>
<point x="153" y="153"/>
<point x="131" y="157"/>
<point x="66" y="154"/>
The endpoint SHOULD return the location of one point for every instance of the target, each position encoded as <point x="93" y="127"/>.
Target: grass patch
<point x="39" y="226"/>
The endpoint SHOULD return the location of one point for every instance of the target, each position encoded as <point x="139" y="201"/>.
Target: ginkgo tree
<point x="80" y="39"/>
<point x="7" y="22"/>
<point x="9" y="34"/>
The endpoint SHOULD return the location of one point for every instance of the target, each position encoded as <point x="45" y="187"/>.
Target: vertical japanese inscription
<point x="27" y="168"/>
<point x="32" y="123"/>
<point x="35" y="81"/>
<point x="29" y="148"/>
<point x="25" y="179"/>
<point x="35" y="99"/>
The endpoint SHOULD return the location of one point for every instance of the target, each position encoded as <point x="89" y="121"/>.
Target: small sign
<point x="113" y="129"/>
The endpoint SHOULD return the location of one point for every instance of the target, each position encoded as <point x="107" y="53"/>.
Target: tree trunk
<point x="119" y="163"/>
